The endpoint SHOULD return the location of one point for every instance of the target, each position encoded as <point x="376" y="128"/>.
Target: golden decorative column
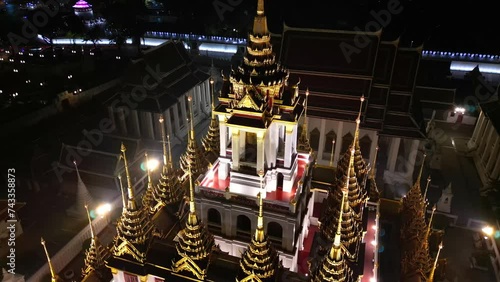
<point x="236" y="149"/>
<point x="260" y="151"/>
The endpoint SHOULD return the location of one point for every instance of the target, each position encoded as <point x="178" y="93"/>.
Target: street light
<point x="103" y="209"/>
<point x="488" y="231"/>
<point x="152" y="164"/>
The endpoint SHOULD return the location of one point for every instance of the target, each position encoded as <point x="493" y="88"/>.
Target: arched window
<point x="243" y="227"/>
<point x="275" y="232"/>
<point x="365" y="144"/>
<point x="214" y="220"/>
<point x="314" y="139"/>
<point x="346" y="142"/>
<point x="327" y="149"/>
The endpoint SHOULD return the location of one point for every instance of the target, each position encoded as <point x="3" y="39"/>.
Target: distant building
<point x="83" y="10"/>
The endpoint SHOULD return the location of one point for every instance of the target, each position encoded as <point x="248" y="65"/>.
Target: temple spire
<point x="335" y="251"/>
<point x="170" y="162"/>
<point x="82" y="196"/>
<point x="51" y="268"/>
<point x="419" y="177"/>
<point x="96" y="254"/>
<point x="92" y="233"/>
<point x="358" y="120"/>
<point x="303" y="141"/>
<point x="164" y="143"/>
<point x="193" y="157"/>
<point x="260" y="7"/>
<point x="260" y="259"/>
<point x="192" y="206"/>
<point x="211" y="141"/>
<point x="260" y="21"/>
<point x="429" y="227"/>
<point x="147" y="199"/>
<point x="131" y="196"/>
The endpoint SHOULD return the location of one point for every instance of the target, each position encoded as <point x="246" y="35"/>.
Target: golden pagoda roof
<point x="134" y="228"/>
<point x="359" y="164"/>
<point x="259" y="67"/>
<point x="334" y="267"/>
<point x="413" y="203"/>
<point x="342" y="218"/>
<point x="193" y="157"/>
<point x="195" y="242"/>
<point x="168" y="190"/>
<point x="260" y="258"/>
<point x="96" y="254"/>
<point x="211" y="141"/>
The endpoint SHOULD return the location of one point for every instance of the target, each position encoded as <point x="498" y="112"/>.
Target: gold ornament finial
<point x="51" y="268"/>
<point x="430" y="223"/>
<point x="164" y="143"/>
<point x="212" y="96"/>
<point x="358" y="121"/>
<point x="372" y="173"/>
<point x="131" y="196"/>
<point x="260" y="7"/>
<point x="170" y="163"/>
<point x="421" y="170"/>
<point x="433" y="270"/>
<point x="122" y="191"/>
<point x="92" y="233"/>
<point x="191" y="120"/>
<point x="148" y="171"/>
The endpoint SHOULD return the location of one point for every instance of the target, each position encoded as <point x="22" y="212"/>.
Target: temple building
<point x="250" y="203"/>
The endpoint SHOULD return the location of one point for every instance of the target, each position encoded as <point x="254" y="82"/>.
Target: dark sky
<point x="445" y="25"/>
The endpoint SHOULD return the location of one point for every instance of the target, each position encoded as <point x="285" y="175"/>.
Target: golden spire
<point x="131" y="197"/>
<point x="259" y="232"/>
<point x="335" y="251"/>
<point x="195" y="243"/>
<point x="340" y="211"/>
<point x="122" y="191"/>
<point x="170" y="162"/>
<point x="147" y="199"/>
<point x="430" y="223"/>
<point x="164" y="143"/>
<point x="334" y="266"/>
<point x="372" y="173"/>
<point x="211" y="141"/>
<point x="260" y="20"/>
<point x="193" y="156"/>
<point x="303" y="141"/>
<point x="92" y="234"/>
<point x="134" y="228"/>
<point x="96" y="254"/>
<point x="427" y="187"/>
<point x="433" y="270"/>
<point x="260" y="259"/>
<point x="52" y="272"/>
<point x="419" y="177"/>
<point x="358" y="121"/>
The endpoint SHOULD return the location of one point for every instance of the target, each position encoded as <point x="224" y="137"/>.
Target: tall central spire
<point x="147" y="198"/>
<point x="260" y="21"/>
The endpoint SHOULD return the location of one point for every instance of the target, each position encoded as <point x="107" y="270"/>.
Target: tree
<point x="118" y="37"/>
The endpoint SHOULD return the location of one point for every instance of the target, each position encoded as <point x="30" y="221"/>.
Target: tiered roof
<point x="345" y="217"/>
<point x="195" y="242"/>
<point x="193" y="159"/>
<point x="168" y="190"/>
<point x="95" y="255"/>
<point x="134" y="229"/>
<point x="334" y="267"/>
<point x="260" y="259"/>
<point x="415" y="260"/>
<point x="211" y="142"/>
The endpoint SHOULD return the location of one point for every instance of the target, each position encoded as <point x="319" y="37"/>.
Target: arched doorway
<point x="214" y="220"/>
<point x="243" y="227"/>
<point x="275" y="232"/>
<point x="279" y="182"/>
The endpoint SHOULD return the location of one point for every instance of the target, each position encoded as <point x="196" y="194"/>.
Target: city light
<point x="153" y="164"/>
<point x="374" y="243"/>
<point x="460" y="110"/>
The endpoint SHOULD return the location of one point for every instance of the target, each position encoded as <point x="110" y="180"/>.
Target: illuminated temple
<point x="248" y="202"/>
